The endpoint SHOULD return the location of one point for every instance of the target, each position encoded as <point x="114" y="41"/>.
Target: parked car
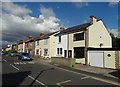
<point x="12" y="54"/>
<point x="2" y="53"/>
<point x="24" y="56"/>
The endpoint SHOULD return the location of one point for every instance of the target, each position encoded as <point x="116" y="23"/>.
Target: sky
<point x="20" y="19"/>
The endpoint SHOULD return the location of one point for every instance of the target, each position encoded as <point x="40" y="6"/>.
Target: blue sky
<point x="71" y="13"/>
<point x="20" y="19"/>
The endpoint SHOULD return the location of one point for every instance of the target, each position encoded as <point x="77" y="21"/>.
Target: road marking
<point x="4" y="60"/>
<point x="115" y="83"/>
<point x="31" y="62"/>
<point x="37" y="81"/>
<point x="14" y="67"/>
<point x="64" y="82"/>
<point x="22" y="63"/>
<point x="96" y="78"/>
<point x="85" y="77"/>
<point x="60" y="83"/>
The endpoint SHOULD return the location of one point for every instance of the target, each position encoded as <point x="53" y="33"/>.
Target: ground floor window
<point x="37" y="52"/>
<point x="30" y="51"/>
<point x="79" y="52"/>
<point x="59" y="51"/>
<point x="45" y="52"/>
<point x="65" y="53"/>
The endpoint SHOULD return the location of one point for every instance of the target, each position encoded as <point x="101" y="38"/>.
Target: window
<point x="30" y="43"/>
<point x="37" y="51"/>
<point x="37" y="42"/>
<point x="45" y="52"/>
<point x="61" y="51"/>
<point x="65" y="53"/>
<point x="57" y="50"/>
<point x="59" y="39"/>
<point x="79" y="36"/>
<point x="79" y="52"/>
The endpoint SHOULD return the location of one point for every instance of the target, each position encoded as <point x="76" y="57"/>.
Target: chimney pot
<point x="41" y="34"/>
<point x="62" y="29"/>
<point x="92" y="19"/>
<point x="30" y="37"/>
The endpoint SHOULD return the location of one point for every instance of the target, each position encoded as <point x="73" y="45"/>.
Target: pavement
<point x="108" y="74"/>
<point x="41" y="73"/>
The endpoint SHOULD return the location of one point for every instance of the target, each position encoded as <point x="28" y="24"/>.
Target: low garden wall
<point x="63" y="61"/>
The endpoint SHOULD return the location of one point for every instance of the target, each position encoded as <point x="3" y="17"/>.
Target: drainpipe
<point x="86" y="45"/>
<point x="67" y="44"/>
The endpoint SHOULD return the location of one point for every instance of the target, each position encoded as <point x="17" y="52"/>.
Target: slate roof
<point x="46" y="36"/>
<point x="77" y="28"/>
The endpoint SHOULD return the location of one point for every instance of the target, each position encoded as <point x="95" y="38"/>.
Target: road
<point x="29" y="73"/>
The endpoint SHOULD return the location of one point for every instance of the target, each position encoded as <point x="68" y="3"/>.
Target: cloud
<point x="115" y="32"/>
<point x="113" y="3"/>
<point x="14" y="9"/>
<point x="18" y="24"/>
<point x="80" y="3"/>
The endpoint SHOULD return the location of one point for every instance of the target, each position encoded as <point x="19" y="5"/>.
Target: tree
<point x="115" y="41"/>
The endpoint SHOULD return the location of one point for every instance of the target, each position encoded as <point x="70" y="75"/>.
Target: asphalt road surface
<point x="29" y="73"/>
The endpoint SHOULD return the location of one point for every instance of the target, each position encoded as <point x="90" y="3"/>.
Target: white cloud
<point x="113" y="2"/>
<point x="114" y="31"/>
<point x="15" y="9"/>
<point x="18" y="24"/>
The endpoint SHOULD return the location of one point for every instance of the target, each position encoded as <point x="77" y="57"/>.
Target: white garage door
<point x="95" y="58"/>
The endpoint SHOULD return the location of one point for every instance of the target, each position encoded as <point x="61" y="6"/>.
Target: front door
<point x="69" y="53"/>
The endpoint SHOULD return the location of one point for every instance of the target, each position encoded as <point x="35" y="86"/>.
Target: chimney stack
<point x="41" y="34"/>
<point x="62" y="29"/>
<point x="92" y="19"/>
<point x="30" y="37"/>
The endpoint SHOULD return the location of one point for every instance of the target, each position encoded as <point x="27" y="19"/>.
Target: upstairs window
<point x="37" y="43"/>
<point x="30" y="43"/>
<point x="37" y="52"/>
<point x="79" y="36"/>
<point x="59" y="39"/>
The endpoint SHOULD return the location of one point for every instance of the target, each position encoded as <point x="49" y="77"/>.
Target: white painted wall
<point x="99" y="34"/>
<point x="62" y="45"/>
<point x="23" y="46"/>
<point x="20" y="48"/>
<point x="37" y="47"/>
<point x="109" y="61"/>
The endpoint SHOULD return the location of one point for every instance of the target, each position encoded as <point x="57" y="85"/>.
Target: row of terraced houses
<point x="89" y="43"/>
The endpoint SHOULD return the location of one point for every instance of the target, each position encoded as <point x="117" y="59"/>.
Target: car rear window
<point x="25" y="54"/>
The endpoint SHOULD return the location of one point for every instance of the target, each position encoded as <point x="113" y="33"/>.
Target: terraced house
<point x="74" y="41"/>
<point x="89" y="43"/>
<point x="30" y="45"/>
<point x="44" y="45"/>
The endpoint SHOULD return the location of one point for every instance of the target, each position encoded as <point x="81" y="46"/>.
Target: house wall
<point x="62" y="45"/>
<point x="109" y="61"/>
<point x="52" y="46"/>
<point x="99" y="34"/>
<point x="44" y="46"/>
<point x="20" y="48"/>
<point x="72" y="44"/>
<point x="37" y="47"/>
<point x="23" y="47"/>
<point x="117" y="59"/>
